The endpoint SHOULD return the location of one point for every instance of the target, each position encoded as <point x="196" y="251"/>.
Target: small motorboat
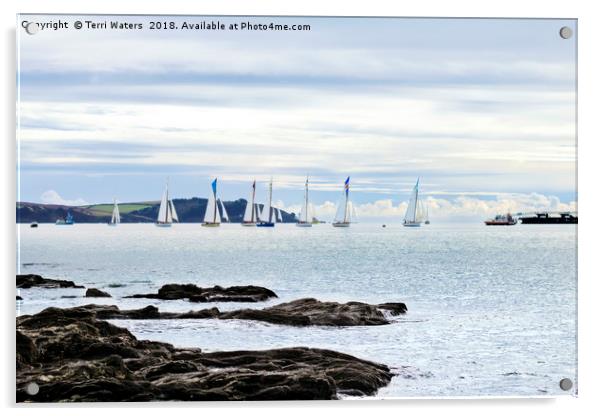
<point x="507" y="219"/>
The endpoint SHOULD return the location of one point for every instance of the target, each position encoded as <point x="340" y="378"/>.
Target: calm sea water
<point x="492" y="310"/>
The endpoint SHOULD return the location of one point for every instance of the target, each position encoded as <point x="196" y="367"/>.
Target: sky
<point x="482" y="110"/>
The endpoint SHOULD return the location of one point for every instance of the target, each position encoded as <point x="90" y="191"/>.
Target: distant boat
<point x="212" y="216"/>
<point x="115" y="218"/>
<point x="412" y="217"/>
<point x="34" y="224"/>
<point x="167" y="211"/>
<point x="549" y="218"/>
<point x="304" y="216"/>
<point x="344" y="211"/>
<point x="251" y="215"/>
<point x="507" y="219"/>
<point x="268" y="214"/>
<point x="67" y="221"/>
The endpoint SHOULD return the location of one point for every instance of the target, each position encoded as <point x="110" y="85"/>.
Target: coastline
<point x="74" y="354"/>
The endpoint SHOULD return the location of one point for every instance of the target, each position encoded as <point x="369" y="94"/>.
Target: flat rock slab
<point x="195" y="293"/>
<point x="26" y="281"/>
<point x="302" y="312"/>
<point x="74" y="356"/>
<point x="309" y="311"/>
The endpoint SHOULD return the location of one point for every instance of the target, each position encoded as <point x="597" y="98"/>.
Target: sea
<point x="491" y="310"/>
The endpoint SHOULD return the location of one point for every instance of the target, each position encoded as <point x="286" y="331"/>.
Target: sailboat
<point x="412" y="217"/>
<point x="268" y="214"/>
<point x="427" y="221"/>
<point x="305" y="219"/>
<point x="251" y="211"/>
<point x="212" y="215"/>
<point x="167" y="211"/>
<point x="115" y="218"/>
<point x="343" y="219"/>
<point x="67" y="221"/>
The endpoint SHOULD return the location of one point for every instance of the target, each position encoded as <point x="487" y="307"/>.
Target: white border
<point x="589" y="199"/>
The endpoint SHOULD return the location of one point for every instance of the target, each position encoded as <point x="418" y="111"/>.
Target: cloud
<point x="378" y="100"/>
<point x="461" y="208"/>
<point x="52" y="197"/>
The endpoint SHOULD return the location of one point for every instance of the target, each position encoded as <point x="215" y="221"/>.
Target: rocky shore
<point x="301" y="312"/>
<point x="26" y="281"/>
<point x="74" y="355"/>
<point x="211" y="294"/>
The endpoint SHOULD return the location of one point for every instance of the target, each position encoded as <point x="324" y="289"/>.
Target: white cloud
<point x="458" y="209"/>
<point x="53" y="198"/>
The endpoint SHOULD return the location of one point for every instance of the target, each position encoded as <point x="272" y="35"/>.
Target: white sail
<point x="267" y="211"/>
<point x="278" y="214"/>
<point x="167" y="211"/>
<point x="420" y="211"/>
<point x="211" y="213"/>
<point x="224" y="212"/>
<point x="412" y="214"/>
<point x="249" y="212"/>
<point x="305" y="215"/>
<point x="344" y="208"/>
<point x="172" y="211"/>
<point x="352" y="212"/>
<point x="163" y="216"/>
<point x="115" y="218"/>
<point x="251" y="208"/>
<point x="264" y="216"/>
<point x="257" y="213"/>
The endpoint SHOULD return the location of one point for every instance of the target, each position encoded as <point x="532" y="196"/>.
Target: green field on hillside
<point x="107" y="209"/>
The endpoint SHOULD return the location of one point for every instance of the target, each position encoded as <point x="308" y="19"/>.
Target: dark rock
<point x="301" y="312"/>
<point x="96" y="293"/>
<point x="394" y="307"/>
<point x="19" y="297"/>
<point x="74" y="356"/>
<point x="309" y="311"/>
<point x="26" y="281"/>
<point x="195" y="293"/>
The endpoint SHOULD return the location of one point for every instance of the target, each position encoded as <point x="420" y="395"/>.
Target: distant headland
<point x="189" y="211"/>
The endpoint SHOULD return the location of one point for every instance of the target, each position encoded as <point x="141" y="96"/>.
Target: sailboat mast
<point x="253" y="203"/>
<point x="215" y="202"/>
<point x="306" y="198"/>
<point x="270" y="203"/>
<point x="167" y="207"/>
<point x="416" y="199"/>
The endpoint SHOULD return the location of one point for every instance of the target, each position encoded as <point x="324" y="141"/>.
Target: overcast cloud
<point x="481" y="110"/>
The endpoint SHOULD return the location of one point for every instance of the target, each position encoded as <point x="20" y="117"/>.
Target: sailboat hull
<point x="411" y="224"/>
<point x="265" y="224"/>
<point x="210" y="224"/>
<point x="163" y="224"/>
<point x="112" y="224"/>
<point x="341" y="224"/>
<point x="248" y="224"/>
<point x="303" y="224"/>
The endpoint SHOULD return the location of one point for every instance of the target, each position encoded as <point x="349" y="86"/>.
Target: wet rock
<point x="74" y="356"/>
<point x="301" y="312"/>
<point x="309" y="311"/>
<point x="195" y="293"/>
<point x="96" y="293"/>
<point x="26" y="281"/>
